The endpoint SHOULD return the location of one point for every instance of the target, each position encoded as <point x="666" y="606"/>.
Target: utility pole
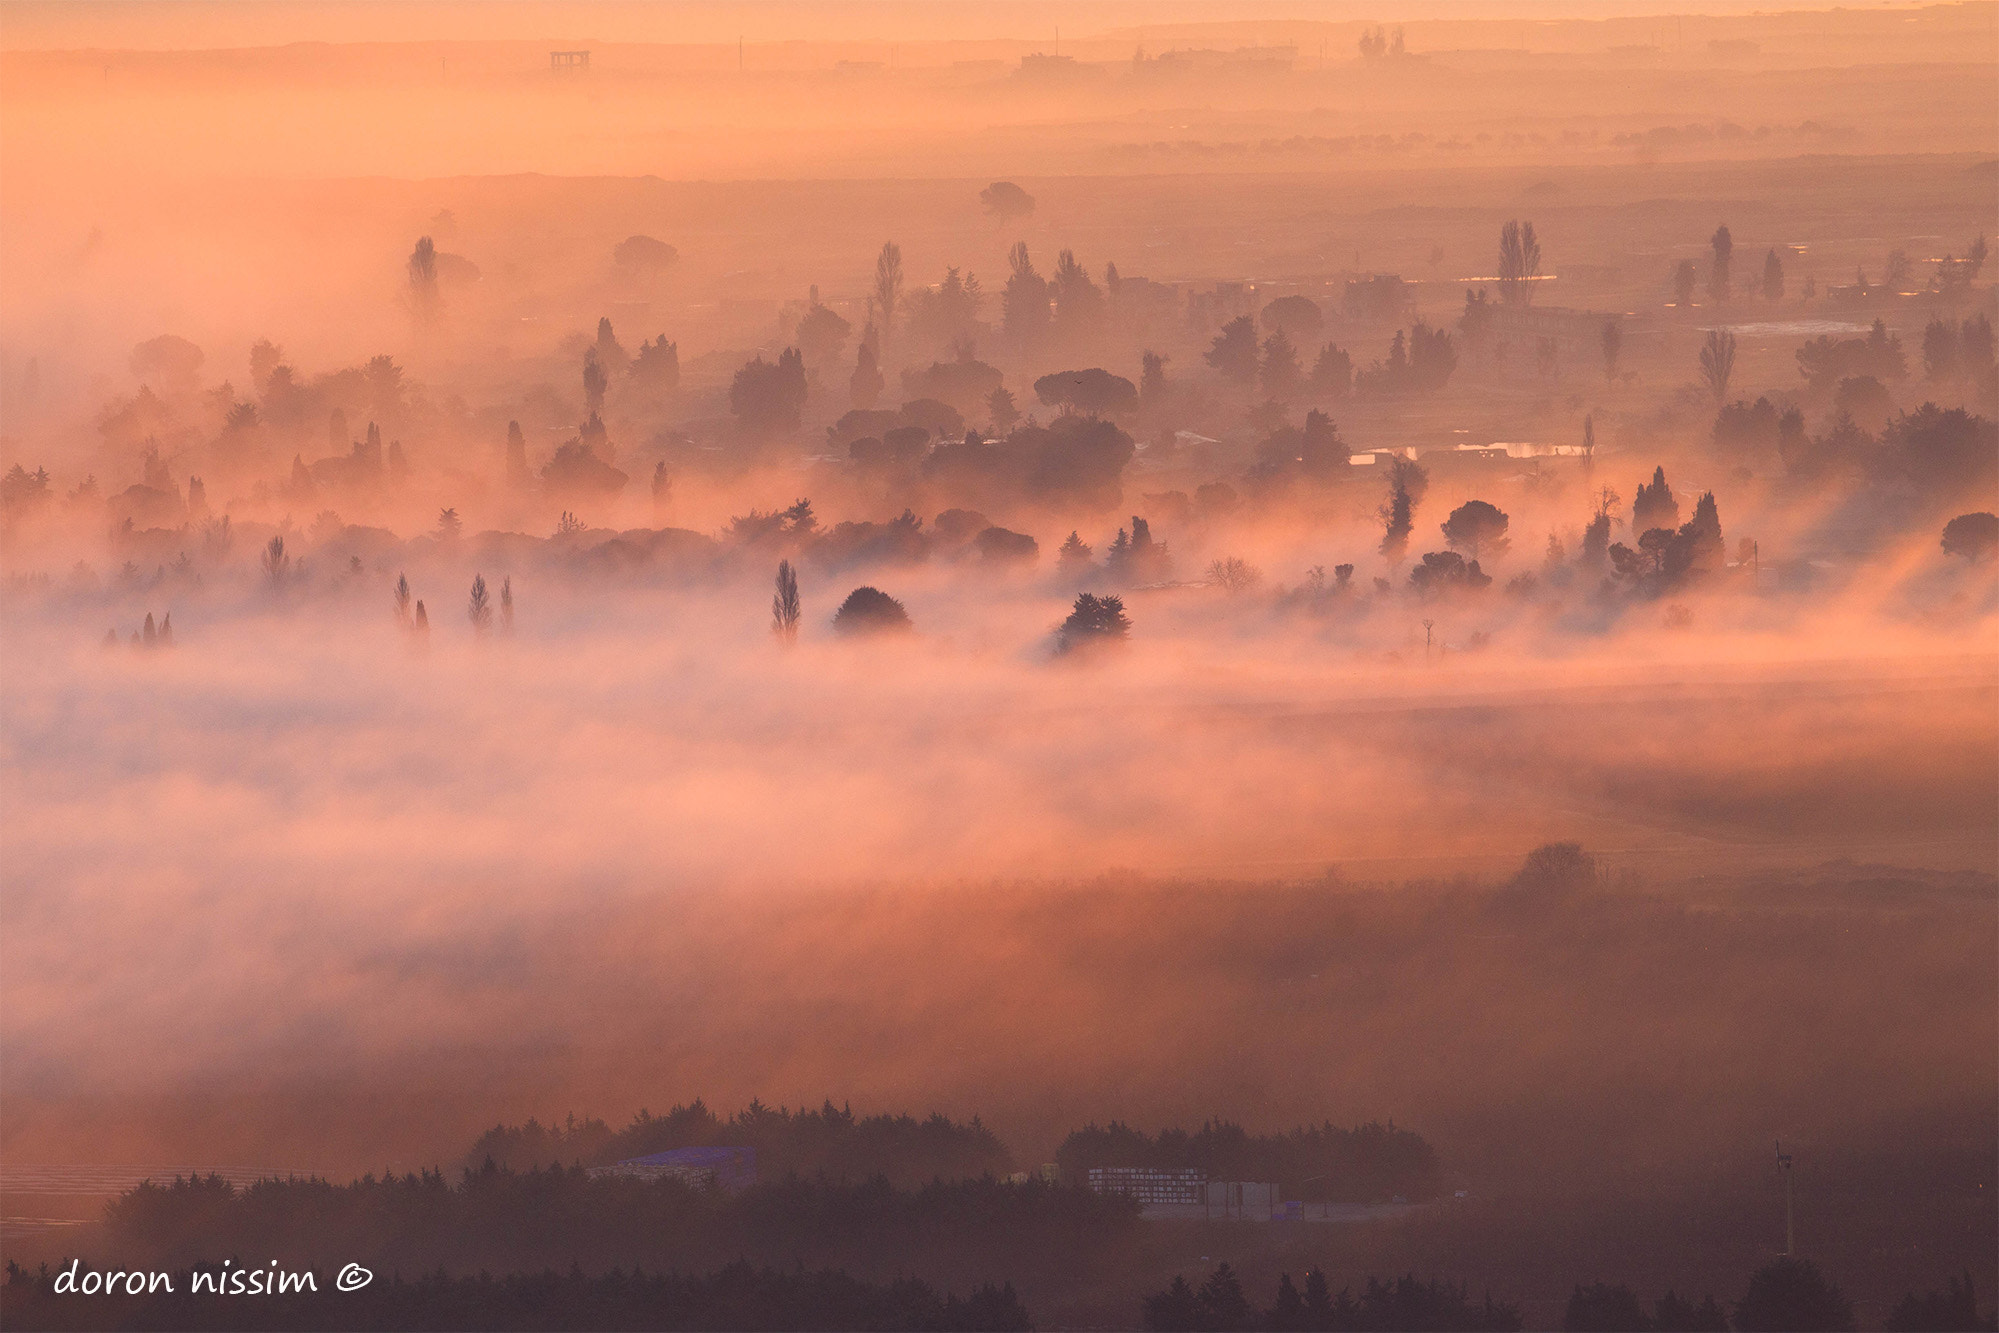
<point x="1426" y="637"/>
<point x="1790" y="1232"/>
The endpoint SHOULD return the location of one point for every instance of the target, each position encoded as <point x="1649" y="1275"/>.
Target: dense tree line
<point x="1785" y="1294"/>
<point x="832" y="1142"/>
<point x="739" y="1296"/>
<point x="967" y="1231"/>
<point x="1366" y="1164"/>
<point x="1220" y="1305"/>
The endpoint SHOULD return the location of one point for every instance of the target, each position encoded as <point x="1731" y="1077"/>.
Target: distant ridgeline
<point x="1371" y="1163"/>
<point x="831" y="1142"/>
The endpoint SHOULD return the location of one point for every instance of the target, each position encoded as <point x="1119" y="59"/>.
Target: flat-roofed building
<point x="727" y="1168"/>
<point x="1151" y="1184"/>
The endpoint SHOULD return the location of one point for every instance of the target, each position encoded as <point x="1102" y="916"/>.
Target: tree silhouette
<point x="1398" y="513"/>
<point x="1684" y="279"/>
<point x="1235" y="350"/>
<point x="1233" y="574"/>
<point x="1223" y="1304"/>
<point x="1718" y="280"/>
<point x="643" y="254"/>
<point x="662" y="489"/>
<point x="1001" y="410"/>
<point x="821" y="332"/>
<point x="1074" y="553"/>
<point x="518" y="475"/>
<point x="1092" y="621"/>
<point x="1792" y="1296"/>
<point x="1288" y="1311"/>
<point x="423" y="278"/>
<point x="1973" y="536"/>
<point x="1079" y="303"/>
<point x="1094" y="392"/>
<point x="888" y="285"/>
<point x="1603" y="1308"/>
<point x="1138" y="558"/>
<point x="1653" y="505"/>
<point x="402" y="599"/>
<point x="769" y="396"/>
<point x="478" y="609"/>
<point x="1024" y="302"/>
<point x="1674" y="1315"/>
<point x="1405" y="1303"/>
<point x="784" y="604"/>
<point x="1477" y="527"/>
<point x="595" y="382"/>
<point x="1952" y="1309"/>
<point x="507" y="604"/>
<point x="1443" y="571"/>
<point x="1006" y="201"/>
<point x="1298" y="317"/>
<point x="864" y="389"/>
<point x="1519" y="261"/>
<point x="277" y="563"/>
<point x="1152" y="378"/>
<point x="1280" y="373"/>
<point x="1942" y="353"/>
<point x="610" y="352"/>
<point x="869" y="611"/>
<point x="449" y="525"/>
<point x="1717" y="362"/>
<point x="657" y="365"/>
<point x="1611" y="340"/>
<point x="1332" y="373"/>
<point x="1176" y="1308"/>
<point x="1773" y="277"/>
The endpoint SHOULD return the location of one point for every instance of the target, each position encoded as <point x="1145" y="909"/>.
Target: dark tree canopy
<point x="1444" y="571"/>
<point x="166" y="358"/>
<point x="1477" y="527"/>
<point x="1006" y="201"/>
<point x="967" y="385"/>
<point x="1236" y="352"/>
<point x="770" y="395"/>
<point x="1296" y="316"/>
<point x="643" y="253"/>
<point x="1094" y="620"/>
<point x="576" y="474"/>
<point x="1095" y="392"/>
<point x="1825" y="361"/>
<point x="1953" y="1309"/>
<point x="1603" y="1308"/>
<point x="1790" y="1295"/>
<point x="1653" y="505"/>
<point x="1406" y="1303"/>
<point x="870" y="611"/>
<point x="1944" y="451"/>
<point x="1973" y="536"/>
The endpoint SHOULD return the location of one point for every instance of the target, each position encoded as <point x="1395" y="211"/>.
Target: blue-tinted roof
<point x="689" y="1157"/>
